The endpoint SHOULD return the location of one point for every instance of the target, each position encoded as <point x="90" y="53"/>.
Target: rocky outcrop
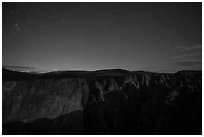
<point x="102" y="102"/>
<point x="27" y="100"/>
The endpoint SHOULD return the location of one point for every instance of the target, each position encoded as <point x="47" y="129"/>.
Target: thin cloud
<point x="196" y="47"/>
<point x="25" y="69"/>
<point x="18" y="67"/>
<point x="188" y="56"/>
<point x="189" y="48"/>
<point x="189" y="63"/>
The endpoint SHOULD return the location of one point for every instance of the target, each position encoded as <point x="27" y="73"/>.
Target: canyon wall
<point x="105" y="103"/>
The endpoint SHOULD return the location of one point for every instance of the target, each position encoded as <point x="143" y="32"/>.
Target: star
<point x="17" y="28"/>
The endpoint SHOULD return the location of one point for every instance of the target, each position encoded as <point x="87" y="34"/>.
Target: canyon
<point x="103" y="102"/>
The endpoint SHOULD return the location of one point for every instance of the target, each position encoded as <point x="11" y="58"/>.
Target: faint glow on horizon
<point x="94" y="36"/>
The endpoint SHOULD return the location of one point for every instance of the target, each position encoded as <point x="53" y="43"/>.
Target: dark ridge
<point x="106" y="73"/>
<point x="15" y="75"/>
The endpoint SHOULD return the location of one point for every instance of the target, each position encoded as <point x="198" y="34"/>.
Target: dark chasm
<point x="105" y="102"/>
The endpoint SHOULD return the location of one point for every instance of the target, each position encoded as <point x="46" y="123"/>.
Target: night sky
<point x="161" y="37"/>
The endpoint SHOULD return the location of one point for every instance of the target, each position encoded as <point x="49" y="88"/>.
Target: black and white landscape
<point x="102" y="68"/>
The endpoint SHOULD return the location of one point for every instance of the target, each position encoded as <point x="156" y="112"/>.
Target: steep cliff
<point x="102" y="102"/>
<point x="27" y="100"/>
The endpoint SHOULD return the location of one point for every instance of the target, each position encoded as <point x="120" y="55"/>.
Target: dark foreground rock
<point x="69" y="124"/>
<point x="102" y="102"/>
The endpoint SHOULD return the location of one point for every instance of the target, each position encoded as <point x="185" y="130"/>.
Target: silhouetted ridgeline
<point x="102" y="102"/>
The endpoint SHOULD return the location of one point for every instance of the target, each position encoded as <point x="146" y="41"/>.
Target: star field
<point x="90" y="36"/>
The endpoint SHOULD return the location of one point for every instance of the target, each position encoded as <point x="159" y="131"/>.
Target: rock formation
<point x="102" y="102"/>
